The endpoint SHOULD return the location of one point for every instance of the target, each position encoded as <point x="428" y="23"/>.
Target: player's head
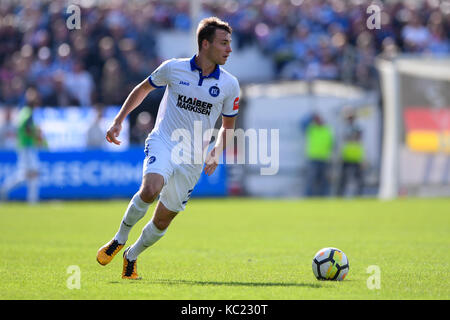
<point x="317" y="119"/>
<point x="32" y="97"/>
<point x="214" y="39"/>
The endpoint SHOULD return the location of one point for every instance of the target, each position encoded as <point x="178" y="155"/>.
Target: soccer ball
<point x="330" y="264"/>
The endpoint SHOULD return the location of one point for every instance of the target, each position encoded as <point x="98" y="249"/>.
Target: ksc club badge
<point x="214" y="91"/>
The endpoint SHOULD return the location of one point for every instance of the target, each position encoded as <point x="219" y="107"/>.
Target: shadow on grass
<point x="227" y="283"/>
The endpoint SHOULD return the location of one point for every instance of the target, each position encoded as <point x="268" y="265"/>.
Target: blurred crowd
<point x="337" y="39"/>
<point x="115" y="48"/>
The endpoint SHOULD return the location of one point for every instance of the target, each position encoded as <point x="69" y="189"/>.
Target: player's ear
<point x="205" y="44"/>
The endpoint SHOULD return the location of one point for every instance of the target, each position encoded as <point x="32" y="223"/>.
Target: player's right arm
<point x="134" y="99"/>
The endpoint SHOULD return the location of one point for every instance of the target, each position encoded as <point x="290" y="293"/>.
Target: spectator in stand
<point x="389" y="49"/>
<point x="41" y="75"/>
<point x="61" y="96"/>
<point x="365" y="58"/>
<point x="63" y="60"/>
<point x="135" y="73"/>
<point x="328" y="67"/>
<point x="438" y="43"/>
<point x="112" y="83"/>
<point x="79" y="84"/>
<point x="415" y="35"/>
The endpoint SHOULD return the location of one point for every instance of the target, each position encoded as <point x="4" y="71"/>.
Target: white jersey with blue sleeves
<point x="191" y="98"/>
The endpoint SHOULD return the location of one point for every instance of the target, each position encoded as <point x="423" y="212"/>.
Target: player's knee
<point x="151" y="187"/>
<point x="149" y="192"/>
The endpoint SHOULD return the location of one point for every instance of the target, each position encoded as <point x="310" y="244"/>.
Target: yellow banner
<point x="428" y="141"/>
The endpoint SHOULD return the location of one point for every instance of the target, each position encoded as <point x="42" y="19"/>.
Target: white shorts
<point x="179" y="179"/>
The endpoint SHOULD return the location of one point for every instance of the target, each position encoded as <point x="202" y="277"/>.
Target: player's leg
<point x="10" y="183"/>
<point x="153" y="231"/>
<point x="33" y="187"/>
<point x="359" y="176"/>
<point x="324" y="178"/>
<point x="310" y="178"/>
<point x="157" y="169"/>
<point x="173" y="199"/>
<point x="151" y="186"/>
<point x="17" y="178"/>
<point x="32" y="175"/>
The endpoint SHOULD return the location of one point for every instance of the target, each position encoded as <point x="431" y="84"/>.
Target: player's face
<point x="220" y="48"/>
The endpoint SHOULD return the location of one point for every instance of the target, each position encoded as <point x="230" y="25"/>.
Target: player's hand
<point x="113" y="132"/>
<point x="211" y="162"/>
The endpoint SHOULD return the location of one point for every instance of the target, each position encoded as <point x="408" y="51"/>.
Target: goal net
<point x="416" y="127"/>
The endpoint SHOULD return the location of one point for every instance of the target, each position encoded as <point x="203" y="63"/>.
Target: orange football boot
<point x="129" y="267"/>
<point x="106" y="253"/>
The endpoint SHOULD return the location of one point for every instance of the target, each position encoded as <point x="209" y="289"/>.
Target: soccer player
<point x="197" y="91"/>
<point x="30" y="139"/>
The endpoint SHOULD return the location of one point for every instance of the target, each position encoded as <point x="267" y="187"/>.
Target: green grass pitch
<point x="230" y="249"/>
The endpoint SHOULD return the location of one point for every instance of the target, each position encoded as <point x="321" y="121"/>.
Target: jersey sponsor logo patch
<point x="184" y="83"/>
<point x="214" y="91"/>
<point x="236" y="104"/>
<point x="194" y="105"/>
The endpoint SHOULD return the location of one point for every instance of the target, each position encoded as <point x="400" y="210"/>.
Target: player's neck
<point x="205" y="64"/>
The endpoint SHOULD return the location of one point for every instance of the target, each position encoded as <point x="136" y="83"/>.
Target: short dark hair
<point x="207" y="29"/>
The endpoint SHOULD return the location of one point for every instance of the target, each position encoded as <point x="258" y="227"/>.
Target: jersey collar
<point x="214" y="74"/>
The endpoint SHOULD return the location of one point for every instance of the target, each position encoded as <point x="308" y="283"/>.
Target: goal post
<point x="415" y="157"/>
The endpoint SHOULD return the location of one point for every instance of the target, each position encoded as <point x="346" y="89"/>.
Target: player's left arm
<point x="225" y="131"/>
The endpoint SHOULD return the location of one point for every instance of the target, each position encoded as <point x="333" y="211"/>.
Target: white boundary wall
<point x="283" y="106"/>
